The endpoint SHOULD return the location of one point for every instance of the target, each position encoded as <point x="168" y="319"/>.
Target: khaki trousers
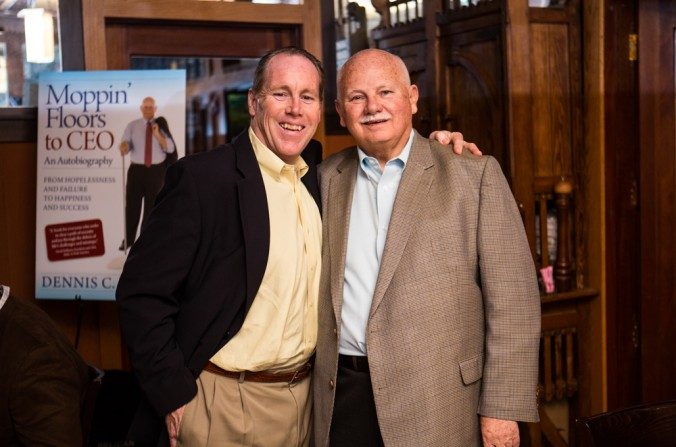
<point x="227" y="412"/>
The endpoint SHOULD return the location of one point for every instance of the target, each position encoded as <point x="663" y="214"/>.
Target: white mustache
<point x="372" y="118"/>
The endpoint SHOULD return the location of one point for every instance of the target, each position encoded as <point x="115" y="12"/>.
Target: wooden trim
<point x="519" y="128"/>
<point x="95" y="16"/>
<point x="209" y="11"/>
<point x="71" y="36"/>
<point x="93" y="26"/>
<point x="590" y="165"/>
<point x="330" y="121"/>
<point x="434" y="70"/>
<point x="311" y="21"/>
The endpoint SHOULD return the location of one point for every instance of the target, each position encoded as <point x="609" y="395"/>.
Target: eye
<point x="386" y="92"/>
<point x="353" y="98"/>
<point x="307" y="99"/>
<point x="280" y="96"/>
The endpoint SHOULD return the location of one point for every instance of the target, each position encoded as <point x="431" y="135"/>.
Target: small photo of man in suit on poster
<point x="151" y="148"/>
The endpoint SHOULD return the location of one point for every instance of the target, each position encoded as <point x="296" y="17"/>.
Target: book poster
<point x="104" y="142"/>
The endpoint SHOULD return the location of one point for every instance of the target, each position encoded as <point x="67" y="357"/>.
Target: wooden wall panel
<point x="116" y="44"/>
<point x="474" y="94"/>
<point x="18" y="173"/>
<point x="551" y="100"/>
<point x="657" y="105"/>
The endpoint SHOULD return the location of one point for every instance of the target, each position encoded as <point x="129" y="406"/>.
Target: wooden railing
<point x="553" y="210"/>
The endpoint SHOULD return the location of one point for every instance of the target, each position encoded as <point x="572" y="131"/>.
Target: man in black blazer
<point x="193" y="274"/>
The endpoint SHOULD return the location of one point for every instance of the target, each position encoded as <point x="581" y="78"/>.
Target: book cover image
<point x="104" y="142"/>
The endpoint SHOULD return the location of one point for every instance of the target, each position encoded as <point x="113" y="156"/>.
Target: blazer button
<point x="332" y="384"/>
<point x="335" y="331"/>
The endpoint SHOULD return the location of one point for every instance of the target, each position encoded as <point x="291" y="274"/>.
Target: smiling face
<point x="376" y="102"/>
<point x="286" y="112"/>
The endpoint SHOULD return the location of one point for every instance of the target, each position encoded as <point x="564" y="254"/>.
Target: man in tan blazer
<point x="428" y="335"/>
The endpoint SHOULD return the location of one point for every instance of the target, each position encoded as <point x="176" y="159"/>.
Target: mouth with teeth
<point x="372" y="121"/>
<point x="292" y="127"/>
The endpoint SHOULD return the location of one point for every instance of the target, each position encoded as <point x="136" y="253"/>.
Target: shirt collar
<point x="5" y="295"/>
<point x="402" y="157"/>
<point x="271" y="163"/>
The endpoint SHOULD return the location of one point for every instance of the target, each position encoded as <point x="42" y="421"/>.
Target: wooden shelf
<point x="571" y="295"/>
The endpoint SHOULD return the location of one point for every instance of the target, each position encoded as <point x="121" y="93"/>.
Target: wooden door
<point x="657" y="116"/>
<point x="623" y="214"/>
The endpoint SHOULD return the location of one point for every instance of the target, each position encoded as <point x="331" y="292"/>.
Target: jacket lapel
<point x="413" y="189"/>
<point x="253" y="208"/>
<point x="341" y="189"/>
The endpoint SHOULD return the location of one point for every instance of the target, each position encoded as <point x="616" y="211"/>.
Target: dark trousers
<point x="354" y="422"/>
<point x="143" y="185"/>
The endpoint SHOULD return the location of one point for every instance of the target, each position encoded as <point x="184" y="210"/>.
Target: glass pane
<point x="29" y="44"/>
<point x="4" y="87"/>
<point x="216" y="107"/>
<point x="354" y="21"/>
<point x="546" y="3"/>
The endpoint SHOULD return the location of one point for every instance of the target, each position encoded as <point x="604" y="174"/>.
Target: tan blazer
<point x="455" y="321"/>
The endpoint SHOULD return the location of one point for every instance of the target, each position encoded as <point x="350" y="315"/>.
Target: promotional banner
<point x="104" y="142"/>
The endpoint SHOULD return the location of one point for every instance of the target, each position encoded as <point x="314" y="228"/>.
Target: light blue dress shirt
<point x="135" y="136"/>
<point x="372" y="202"/>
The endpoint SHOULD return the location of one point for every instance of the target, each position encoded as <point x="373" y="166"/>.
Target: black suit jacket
<point x="42" y="380"/>
<point x="193" y="273"/>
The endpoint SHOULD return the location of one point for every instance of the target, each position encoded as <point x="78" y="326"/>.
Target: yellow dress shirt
<point x="280" y="329"/>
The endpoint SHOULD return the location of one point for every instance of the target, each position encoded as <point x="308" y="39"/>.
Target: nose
<point x="294" y="106"/>
<point x="373" y="105"/>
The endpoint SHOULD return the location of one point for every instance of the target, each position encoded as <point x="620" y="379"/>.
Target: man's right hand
<point x="173" y="421"/>
<point x="124" y="148"/>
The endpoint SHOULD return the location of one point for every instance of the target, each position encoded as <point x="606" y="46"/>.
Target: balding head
<point x="373" y="57"/>
<point x="376" y="102"/>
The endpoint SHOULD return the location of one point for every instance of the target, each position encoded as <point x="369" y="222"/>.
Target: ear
<point x="339" y="109"/>
<point x="251" y="103"/>
<point x="413" y="98"/>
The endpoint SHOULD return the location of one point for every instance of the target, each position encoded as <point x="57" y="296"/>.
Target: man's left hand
<point x="456" y="139"/>
<point x="499" y="432"/>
